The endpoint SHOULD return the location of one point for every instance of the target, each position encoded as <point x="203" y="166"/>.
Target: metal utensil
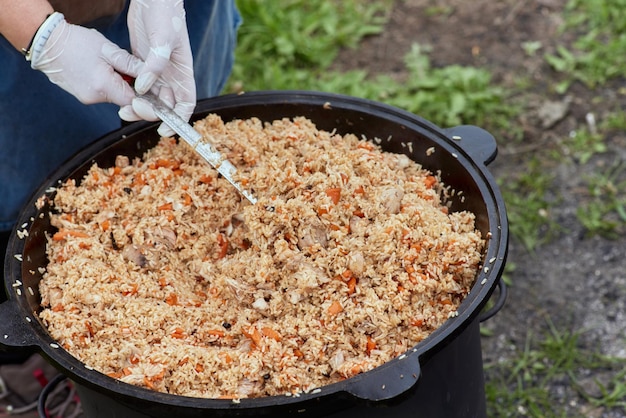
<point x="194" y="139"/>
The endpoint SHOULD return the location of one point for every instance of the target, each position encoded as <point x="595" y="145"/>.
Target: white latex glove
<point x="158" y="35"/>
<point x="84" y="63"/>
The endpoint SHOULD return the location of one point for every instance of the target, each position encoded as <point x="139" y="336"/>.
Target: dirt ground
<point x="577" y="282"/>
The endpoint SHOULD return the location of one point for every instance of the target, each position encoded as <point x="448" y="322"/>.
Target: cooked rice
<point x="162" y="276"/>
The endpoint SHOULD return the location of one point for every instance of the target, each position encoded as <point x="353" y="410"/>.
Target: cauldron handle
<point x="15" y="333"/>
<point x="388" y="381"/>
<point x="499" y="303"/>
<point x="475" y="141"/>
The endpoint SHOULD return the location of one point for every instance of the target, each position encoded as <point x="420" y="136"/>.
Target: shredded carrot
<point x="359" y="190"/>
<point x="254" y="335"/>
<point x="344" y="178"/>
<point x="89" y="328"/>
<point x="133" y="290"/>
<point x="166" y="206"/>
<point x="430" y="181"/>
<point x="417" y="322"/>
<point x="105" y="225"/>
<point x="134" y="359"/>
<point x="354" y="370"/>
<point x="227" y="358"/>
<point x="352" y="285"/>
<point x="322" y="211"/>
<point x="58" y="308"/>
<point x="370" y="345"/>
<point x="269" y="332"/>
<point x="187" y="199"/>
<point x="366" y="146"/>
<point x="139" y="180"/>
<point x="334" y="193"/>
<point x="172" y="299"/>
<point x="334" y="227"/>
<point x="65" y="233"/>
<point x="178" y="333"/>
<point x="199" y="368"/>
<point x="206" y="179"/>
<point x="183" y="361"/>
<point x="223" y="244"/>
<point x="216" y="332"/>
<point x="335" y="308"/>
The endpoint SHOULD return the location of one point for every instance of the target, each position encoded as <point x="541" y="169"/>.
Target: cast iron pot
<point x="440" y="376"/>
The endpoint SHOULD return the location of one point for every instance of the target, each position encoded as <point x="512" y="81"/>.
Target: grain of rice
<point x="350" y="258"/>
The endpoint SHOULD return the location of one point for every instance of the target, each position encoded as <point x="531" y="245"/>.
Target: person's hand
<point x="158" y="36"/>
<point x="84" y="63"/>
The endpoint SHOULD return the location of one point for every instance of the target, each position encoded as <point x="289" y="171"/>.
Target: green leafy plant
<point x="291" y="45"/>
<point x="583" y="144"/>
<point x="527" y="197"/>
<point x="605" y="212"/>
<point x="284" y="43"/>
<point x="597" y="54"/>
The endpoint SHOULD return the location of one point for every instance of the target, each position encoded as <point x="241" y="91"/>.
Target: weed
<point x="528" y="205"/>
<point x="289" y="48"/>
<point x="596" y="55"/>
<point x="582" y="144"/>
<point x="519" y="385"/>
<point x="605" y="212"/>
<point x="283" y="44"/>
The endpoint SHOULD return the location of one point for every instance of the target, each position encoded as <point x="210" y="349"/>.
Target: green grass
<point x="520" y="385"/>
<point x="596" y="55"/>
<point x="604" y="211"/>
<point x="529" y="198"/>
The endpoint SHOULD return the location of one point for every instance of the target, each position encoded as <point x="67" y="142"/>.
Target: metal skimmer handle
<point x="194" y="139"/>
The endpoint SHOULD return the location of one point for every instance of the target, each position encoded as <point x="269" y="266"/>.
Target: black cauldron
<point x="441" y="376"/>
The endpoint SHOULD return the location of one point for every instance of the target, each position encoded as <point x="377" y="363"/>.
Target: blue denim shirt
<point x="41" y="125"/>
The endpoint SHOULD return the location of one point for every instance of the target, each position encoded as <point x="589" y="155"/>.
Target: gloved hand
<point x="84" y="63"/>
<point x="158" y="35"/>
